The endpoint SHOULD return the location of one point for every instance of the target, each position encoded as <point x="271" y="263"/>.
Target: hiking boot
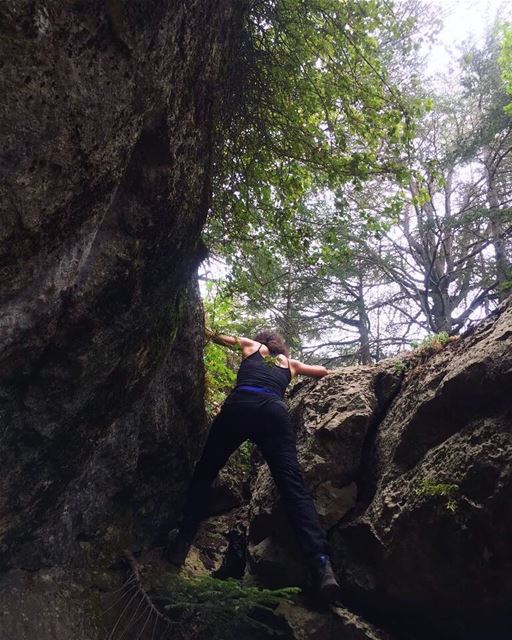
<point x="177" y="547"/>
<point x="325" y="585"/>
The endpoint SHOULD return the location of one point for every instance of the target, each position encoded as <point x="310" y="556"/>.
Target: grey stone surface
<point x="414" y="483"/>
<point x="51" y="604"/>
<point x="107" y="110"/>
<point x="436" y="536"/>
<point x="336" y="624"/>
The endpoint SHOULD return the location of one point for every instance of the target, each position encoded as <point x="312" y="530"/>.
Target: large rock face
<point x="433" y="548"/>
<point x="413" y="483"/>
<point x="107" y="111"/>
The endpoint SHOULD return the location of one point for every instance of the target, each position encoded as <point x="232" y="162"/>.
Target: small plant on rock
<point x="166" y="605"/>
<point x="401" y="367"/>
<point x="434" y="343"/>
<point x="429" y="487"/>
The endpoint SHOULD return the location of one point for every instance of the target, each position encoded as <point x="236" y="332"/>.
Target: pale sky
<point x="463" y="19"/>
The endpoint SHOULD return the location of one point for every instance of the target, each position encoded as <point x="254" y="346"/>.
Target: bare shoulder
<point x="248" y="343"/>
<point x="248" y="346"/>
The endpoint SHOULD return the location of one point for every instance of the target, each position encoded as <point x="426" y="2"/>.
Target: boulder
<point x="413" y="481"/>
<point x="436" y="535"/>
<point x="219" y="548"/>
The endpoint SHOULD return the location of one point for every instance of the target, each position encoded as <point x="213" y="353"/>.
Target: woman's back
<point x="259" y="371"/>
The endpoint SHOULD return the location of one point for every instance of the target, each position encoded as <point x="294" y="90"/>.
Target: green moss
<point x="176" y="312"/>
<point x="168" y="321"/>
<point x="208" y="605"/>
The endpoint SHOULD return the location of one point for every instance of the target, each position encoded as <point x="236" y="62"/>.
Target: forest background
<point x="361" y="202"/>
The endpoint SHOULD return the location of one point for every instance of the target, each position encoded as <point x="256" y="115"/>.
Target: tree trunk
<point x="363" y="325"/>
<point x="503" y="266"/>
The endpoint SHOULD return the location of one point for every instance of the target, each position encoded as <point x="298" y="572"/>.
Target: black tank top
<point x="258" y="372"/>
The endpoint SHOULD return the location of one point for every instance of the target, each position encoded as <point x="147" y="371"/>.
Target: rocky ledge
<point x="410" y="464"/>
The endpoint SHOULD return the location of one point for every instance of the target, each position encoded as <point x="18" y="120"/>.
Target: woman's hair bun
<point x="273" y="340"/>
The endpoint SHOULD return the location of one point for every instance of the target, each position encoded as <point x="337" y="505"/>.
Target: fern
<point x="168" y="605"/>
<point x="219" y="607"/>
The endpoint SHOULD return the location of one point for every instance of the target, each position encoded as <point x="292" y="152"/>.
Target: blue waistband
<point x="248" y="387"/>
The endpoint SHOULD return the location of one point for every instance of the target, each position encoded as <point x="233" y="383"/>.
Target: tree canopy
<point x="356" y="205"/>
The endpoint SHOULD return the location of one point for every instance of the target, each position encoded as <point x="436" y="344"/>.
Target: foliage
<point x="319" y="101"/>
<point x="208" y="605"/>
<point x="435" y="342"/>
<point x="429" y="487"/>
<point x="401" y="367"/>
<point x="220" y="376"/>
<point x="423" y="350"/>
<point x="446" y="253"/>
<point x="271" y="361"/>
<point x="313" y="105"/>
<point x="505" y="61"/>
<point x="355" y="206"/>
<point x="220" y="362"/>
<point x="225" y="314"/>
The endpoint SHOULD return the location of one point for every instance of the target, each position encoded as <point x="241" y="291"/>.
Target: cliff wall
<point x="107" y="117"/>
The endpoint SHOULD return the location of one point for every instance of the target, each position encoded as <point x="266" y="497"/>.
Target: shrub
<point x="213" y="607"/>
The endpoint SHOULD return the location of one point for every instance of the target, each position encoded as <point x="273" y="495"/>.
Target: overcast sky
<point x="463" y="19"/>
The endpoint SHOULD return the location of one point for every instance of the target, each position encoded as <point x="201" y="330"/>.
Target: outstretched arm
<point x="225" y="340"/>
<point x="311" y="370"/>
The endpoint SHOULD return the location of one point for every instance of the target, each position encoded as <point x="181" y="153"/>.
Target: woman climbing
<point x="255" y="410"/>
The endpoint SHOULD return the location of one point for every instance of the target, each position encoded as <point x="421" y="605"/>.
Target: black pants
<point x="265" y="421"/>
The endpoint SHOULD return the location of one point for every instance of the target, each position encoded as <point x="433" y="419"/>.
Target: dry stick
<point x="133" y="618"/>
<point x="140" y="618"/>
<point x="169" y="627"/>
<point x="136" y="573"/>
<point x="119" y="599"/>
<point x="154" y="628"/>
<point x="112" y="633"/>
<point x="144" y="625"/>
<point x="130" y="579"/>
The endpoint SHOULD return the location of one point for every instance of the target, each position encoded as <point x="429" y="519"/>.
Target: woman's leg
<point x="276" y="440"/>
<point x="225" y="436"/>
